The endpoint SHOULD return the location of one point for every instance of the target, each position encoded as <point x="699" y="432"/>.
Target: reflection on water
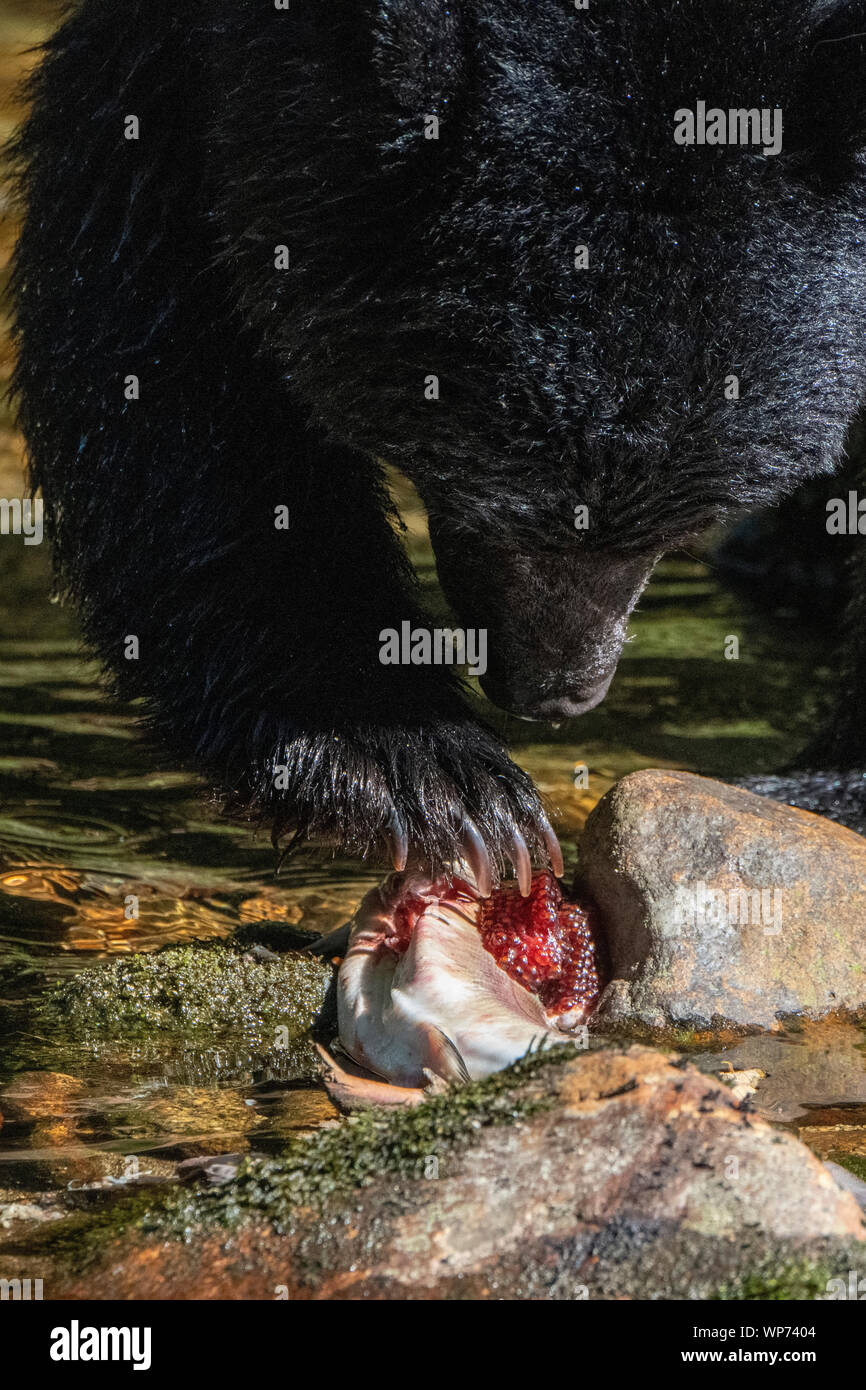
<point x="103" y="850"/>
<point x="812" y="1080"/>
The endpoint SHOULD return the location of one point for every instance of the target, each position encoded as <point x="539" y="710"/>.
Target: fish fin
<point x="337" y="1050"/>
<point x="354" y="1088"/>
<point x="447" y="1060"/>
<point x="352" y="1063"/>
<point x="334" y="943"/>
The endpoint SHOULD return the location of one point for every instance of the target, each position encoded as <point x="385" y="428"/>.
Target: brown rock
<point x="303" y="1110"/>
<point x="636" y="1177"/>
<point x="723" y="907"/>
<point x="38" y="1095"/>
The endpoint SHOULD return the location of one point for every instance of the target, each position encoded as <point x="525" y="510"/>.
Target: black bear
<point x="593" y="275"/>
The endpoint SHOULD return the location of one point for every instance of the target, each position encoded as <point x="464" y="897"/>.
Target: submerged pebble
<point x="37" y="1095"/>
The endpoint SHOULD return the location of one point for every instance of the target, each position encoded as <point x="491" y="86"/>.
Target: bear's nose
<point x="547" y="706"/>
<point x="570" y="706"/>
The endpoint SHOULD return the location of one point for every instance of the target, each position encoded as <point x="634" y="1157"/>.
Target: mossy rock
<point x="855" y="1163"/>
<point x="547" y="1181"/>
<point x="206" y="986"/>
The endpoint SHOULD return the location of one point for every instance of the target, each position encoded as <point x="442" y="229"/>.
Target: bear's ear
<point x="828" y="116"/>
<point x="418" y="54"/>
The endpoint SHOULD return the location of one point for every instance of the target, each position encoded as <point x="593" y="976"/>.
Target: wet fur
<point x="259" y="648"/>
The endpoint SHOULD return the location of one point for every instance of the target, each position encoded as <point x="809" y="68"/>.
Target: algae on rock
<point x="200" y="997"/>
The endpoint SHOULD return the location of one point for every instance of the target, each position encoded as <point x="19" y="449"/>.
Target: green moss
<point x="674" y="1038"/>
<point x="79" y="1240"/>
<point x="855" y="1163"/>
<point x="796" y="1281"/>
<point x="204" y="986"/>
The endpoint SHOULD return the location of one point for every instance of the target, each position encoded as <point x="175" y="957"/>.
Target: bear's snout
<point x="548" y="704"/>
<point x="555" y="622"/>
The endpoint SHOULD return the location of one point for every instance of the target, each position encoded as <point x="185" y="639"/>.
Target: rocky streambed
<point x="658" y="1154"/>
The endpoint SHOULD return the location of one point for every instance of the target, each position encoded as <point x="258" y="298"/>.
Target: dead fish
<point x="420" y="997"/>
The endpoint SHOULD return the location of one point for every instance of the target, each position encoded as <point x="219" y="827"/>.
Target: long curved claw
<point x="398" y="842"/>
<point x="552" y="846"/>
<point x="285" y="851"/>
<point x="475" y="852"/>
<point x="519" y="855"/>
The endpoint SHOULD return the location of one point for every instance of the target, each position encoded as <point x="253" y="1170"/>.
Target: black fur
<point x="411" y="257"/>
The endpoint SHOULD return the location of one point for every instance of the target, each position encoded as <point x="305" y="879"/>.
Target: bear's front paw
<point x="436" y="795"/>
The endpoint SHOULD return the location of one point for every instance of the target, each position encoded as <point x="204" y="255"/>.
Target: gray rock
<point x="722" y="907"/>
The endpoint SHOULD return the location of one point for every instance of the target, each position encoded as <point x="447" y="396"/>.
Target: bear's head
<point x="583" y="334"/>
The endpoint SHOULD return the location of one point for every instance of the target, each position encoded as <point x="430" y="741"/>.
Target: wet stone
<point x="36" y="1095"/>
<point x="617" y="1173"/>
<point x="721" y="907"/>
<point x="217" y="987"/>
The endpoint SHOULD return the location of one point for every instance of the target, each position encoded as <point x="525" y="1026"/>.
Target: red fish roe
<point x="546" y="944"/>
